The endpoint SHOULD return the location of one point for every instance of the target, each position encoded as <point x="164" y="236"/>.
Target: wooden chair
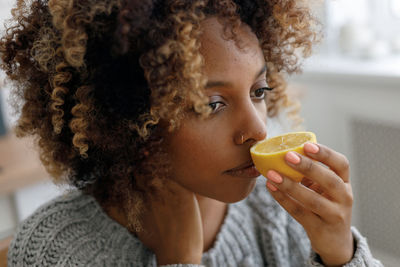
<point x="4" y="244"/>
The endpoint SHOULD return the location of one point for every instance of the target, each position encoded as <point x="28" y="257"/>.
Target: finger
<point x="174" y="188"/>
<point x="306" y="197"/>
<point x="301" y="214"/>
<point x="317" y="188"/>
<point x="336" y="161"/>
<point x="170" y="194"/>
<point x="326" y="178"/>
<point x="310" y="184"/>
<point x="306" y="182"/>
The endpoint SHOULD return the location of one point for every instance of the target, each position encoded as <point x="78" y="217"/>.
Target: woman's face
<point x="204" y="151"/>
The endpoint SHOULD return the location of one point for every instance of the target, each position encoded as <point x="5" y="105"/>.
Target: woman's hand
<point x="172" y="226"/>
<point x="322" y="203"/>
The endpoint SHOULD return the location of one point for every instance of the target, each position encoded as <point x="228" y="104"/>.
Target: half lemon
<point x="269" y="154"/>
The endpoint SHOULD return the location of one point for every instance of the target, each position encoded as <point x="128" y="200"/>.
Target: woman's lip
<point x="242" y="166"/>
<point x="249" y="172"/>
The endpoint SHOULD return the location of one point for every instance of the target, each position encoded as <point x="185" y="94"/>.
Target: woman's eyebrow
<point x="227" y="84"/>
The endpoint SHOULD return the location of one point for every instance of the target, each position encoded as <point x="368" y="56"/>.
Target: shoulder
<point x="69" y="229"/>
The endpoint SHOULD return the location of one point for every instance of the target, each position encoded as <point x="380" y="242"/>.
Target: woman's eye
<point x="260" y="92"/>
<point x="214" y="105"/>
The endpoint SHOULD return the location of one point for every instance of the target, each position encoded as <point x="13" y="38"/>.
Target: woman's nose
<point x="252" y="127"/>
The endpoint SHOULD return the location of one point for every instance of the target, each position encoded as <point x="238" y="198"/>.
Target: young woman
<point x="149" y="109"/>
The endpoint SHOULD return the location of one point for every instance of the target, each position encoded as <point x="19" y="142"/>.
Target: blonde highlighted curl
<point x="100" y="83"/>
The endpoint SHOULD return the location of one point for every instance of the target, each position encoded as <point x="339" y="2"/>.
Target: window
<point x="373" y="25"/>
<point x="395" y="7"/>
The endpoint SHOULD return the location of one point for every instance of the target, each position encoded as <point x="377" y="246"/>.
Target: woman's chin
<point x="239" y="193"/>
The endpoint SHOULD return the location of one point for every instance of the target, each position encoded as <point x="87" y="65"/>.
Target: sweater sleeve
<point x="362" y="255"/>
<point x="182" y="265"/>
<point x="73" y="230"/>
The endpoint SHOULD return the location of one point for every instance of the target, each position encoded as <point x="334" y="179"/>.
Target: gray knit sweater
<point x="73" y="230"/>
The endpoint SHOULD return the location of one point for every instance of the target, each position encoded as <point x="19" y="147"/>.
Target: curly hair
<point x="100" y="83"/>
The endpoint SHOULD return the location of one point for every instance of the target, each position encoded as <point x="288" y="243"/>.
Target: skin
<point x="183" y="222"/>
<point x="215" y="144"/>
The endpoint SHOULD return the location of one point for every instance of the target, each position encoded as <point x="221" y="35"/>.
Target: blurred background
<point x="350" y="94"/>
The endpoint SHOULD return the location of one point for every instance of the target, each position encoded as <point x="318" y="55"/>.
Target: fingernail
<point x="292" y="157"/>
<point x="271" y="187"/>
<point x="312" y="148"/>
<point x="274" y="176"/>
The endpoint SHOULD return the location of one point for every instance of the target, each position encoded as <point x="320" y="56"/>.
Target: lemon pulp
<point x="269" y="153"/>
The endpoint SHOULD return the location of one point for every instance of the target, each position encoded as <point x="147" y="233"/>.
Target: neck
<point x="212" y="215"/>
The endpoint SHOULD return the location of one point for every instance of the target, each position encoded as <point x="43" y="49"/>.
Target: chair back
<point x="4" y="244"/>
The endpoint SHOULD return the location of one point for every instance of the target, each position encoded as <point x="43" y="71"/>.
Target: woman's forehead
<point x="214" y="35"/>
<point x="221" y="54"/>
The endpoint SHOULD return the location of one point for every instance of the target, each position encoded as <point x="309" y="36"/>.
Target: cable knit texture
<point x="73" y="230"/>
